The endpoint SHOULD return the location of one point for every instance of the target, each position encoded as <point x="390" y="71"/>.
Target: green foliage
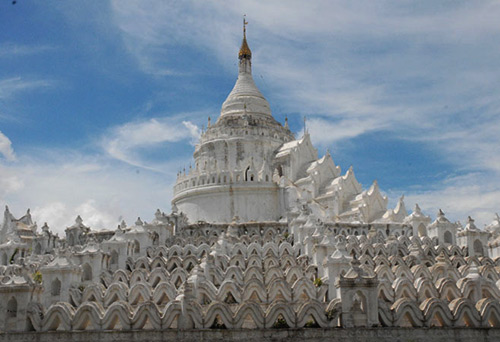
<point x="311" y="324"/>
<point x="286" y="235"/>
<point x="280" y="323"/>
<point x="318" y="282"/>
<point x="37" y="277"/>
<point x="331" y="314"/>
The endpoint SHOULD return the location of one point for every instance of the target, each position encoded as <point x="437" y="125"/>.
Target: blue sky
<point x="102" y="101"/>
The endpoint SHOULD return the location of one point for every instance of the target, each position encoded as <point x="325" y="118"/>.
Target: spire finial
<point x="245" y="52"/>
<point x="245" y="23"/>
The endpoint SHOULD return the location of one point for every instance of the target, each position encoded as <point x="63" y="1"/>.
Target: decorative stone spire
<point x="470" y="224"/>
<point x="245" y="55"/>
<point x="78" y="220"/>
<point x="441" y="217"/>
<point x="494" y="226"/>
<point x="245" y="98"/>
<point x="286" y="123"/>
<point x="7" y="220"/>
<point x="175" y="210"/>
<point x="417" y="210"/>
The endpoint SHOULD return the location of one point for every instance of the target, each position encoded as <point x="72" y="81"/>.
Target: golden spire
<point x="244" y="49"/>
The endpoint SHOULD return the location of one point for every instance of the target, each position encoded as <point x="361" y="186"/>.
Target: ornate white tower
<point x="232" y="174"/>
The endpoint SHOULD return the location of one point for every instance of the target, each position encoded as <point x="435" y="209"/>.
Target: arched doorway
<point x="421" y="230"/>
<point x="87" y="273"/>
<point x="12" y="308"/>
<point x="448" y="237"/>
<point x="478" y="247"/>
<point x="55" y="287"/>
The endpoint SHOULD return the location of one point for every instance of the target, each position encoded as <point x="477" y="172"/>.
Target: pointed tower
<point x="245" y="98"/>
<point x="245" y="136"/>
<point x="245" y="55"/>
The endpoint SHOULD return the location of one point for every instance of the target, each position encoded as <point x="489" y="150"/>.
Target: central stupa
<point x="234" y="159"/>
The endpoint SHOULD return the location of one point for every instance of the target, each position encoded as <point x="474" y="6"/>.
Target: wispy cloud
<point x="59" y="186"/>
<point x="125" y="142"/>
<point x="10" y="182"/>
<point x="60" y="215"/>
<point x="154" y="31"/>
<point x="326" y="132"/>
<point x="10" y="87"/>
<point x="467" y="195"/>
<point x="17" y="50"/>
<point x="6" y="147"/>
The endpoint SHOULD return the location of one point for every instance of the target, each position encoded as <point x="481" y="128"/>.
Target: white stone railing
<point x="186" y="182"/>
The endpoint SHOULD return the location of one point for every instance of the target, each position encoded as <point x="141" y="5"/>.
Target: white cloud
<point x="61" y="216"/>
<point x="9" y="184"/>
<point x="126" y="141"/>
<point x="459" y="197"/>
<point x="16" y="50"/>
<point x="9" y="87"/>
<point x="94" y="216"/>
<point x="59" y="186"/>
<point x="325" y="132"/>
<point x="194" y="131"/>
<point x="152" y="29"/>
<point x="53" y="212"/>
<point x="6" y="147"/>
